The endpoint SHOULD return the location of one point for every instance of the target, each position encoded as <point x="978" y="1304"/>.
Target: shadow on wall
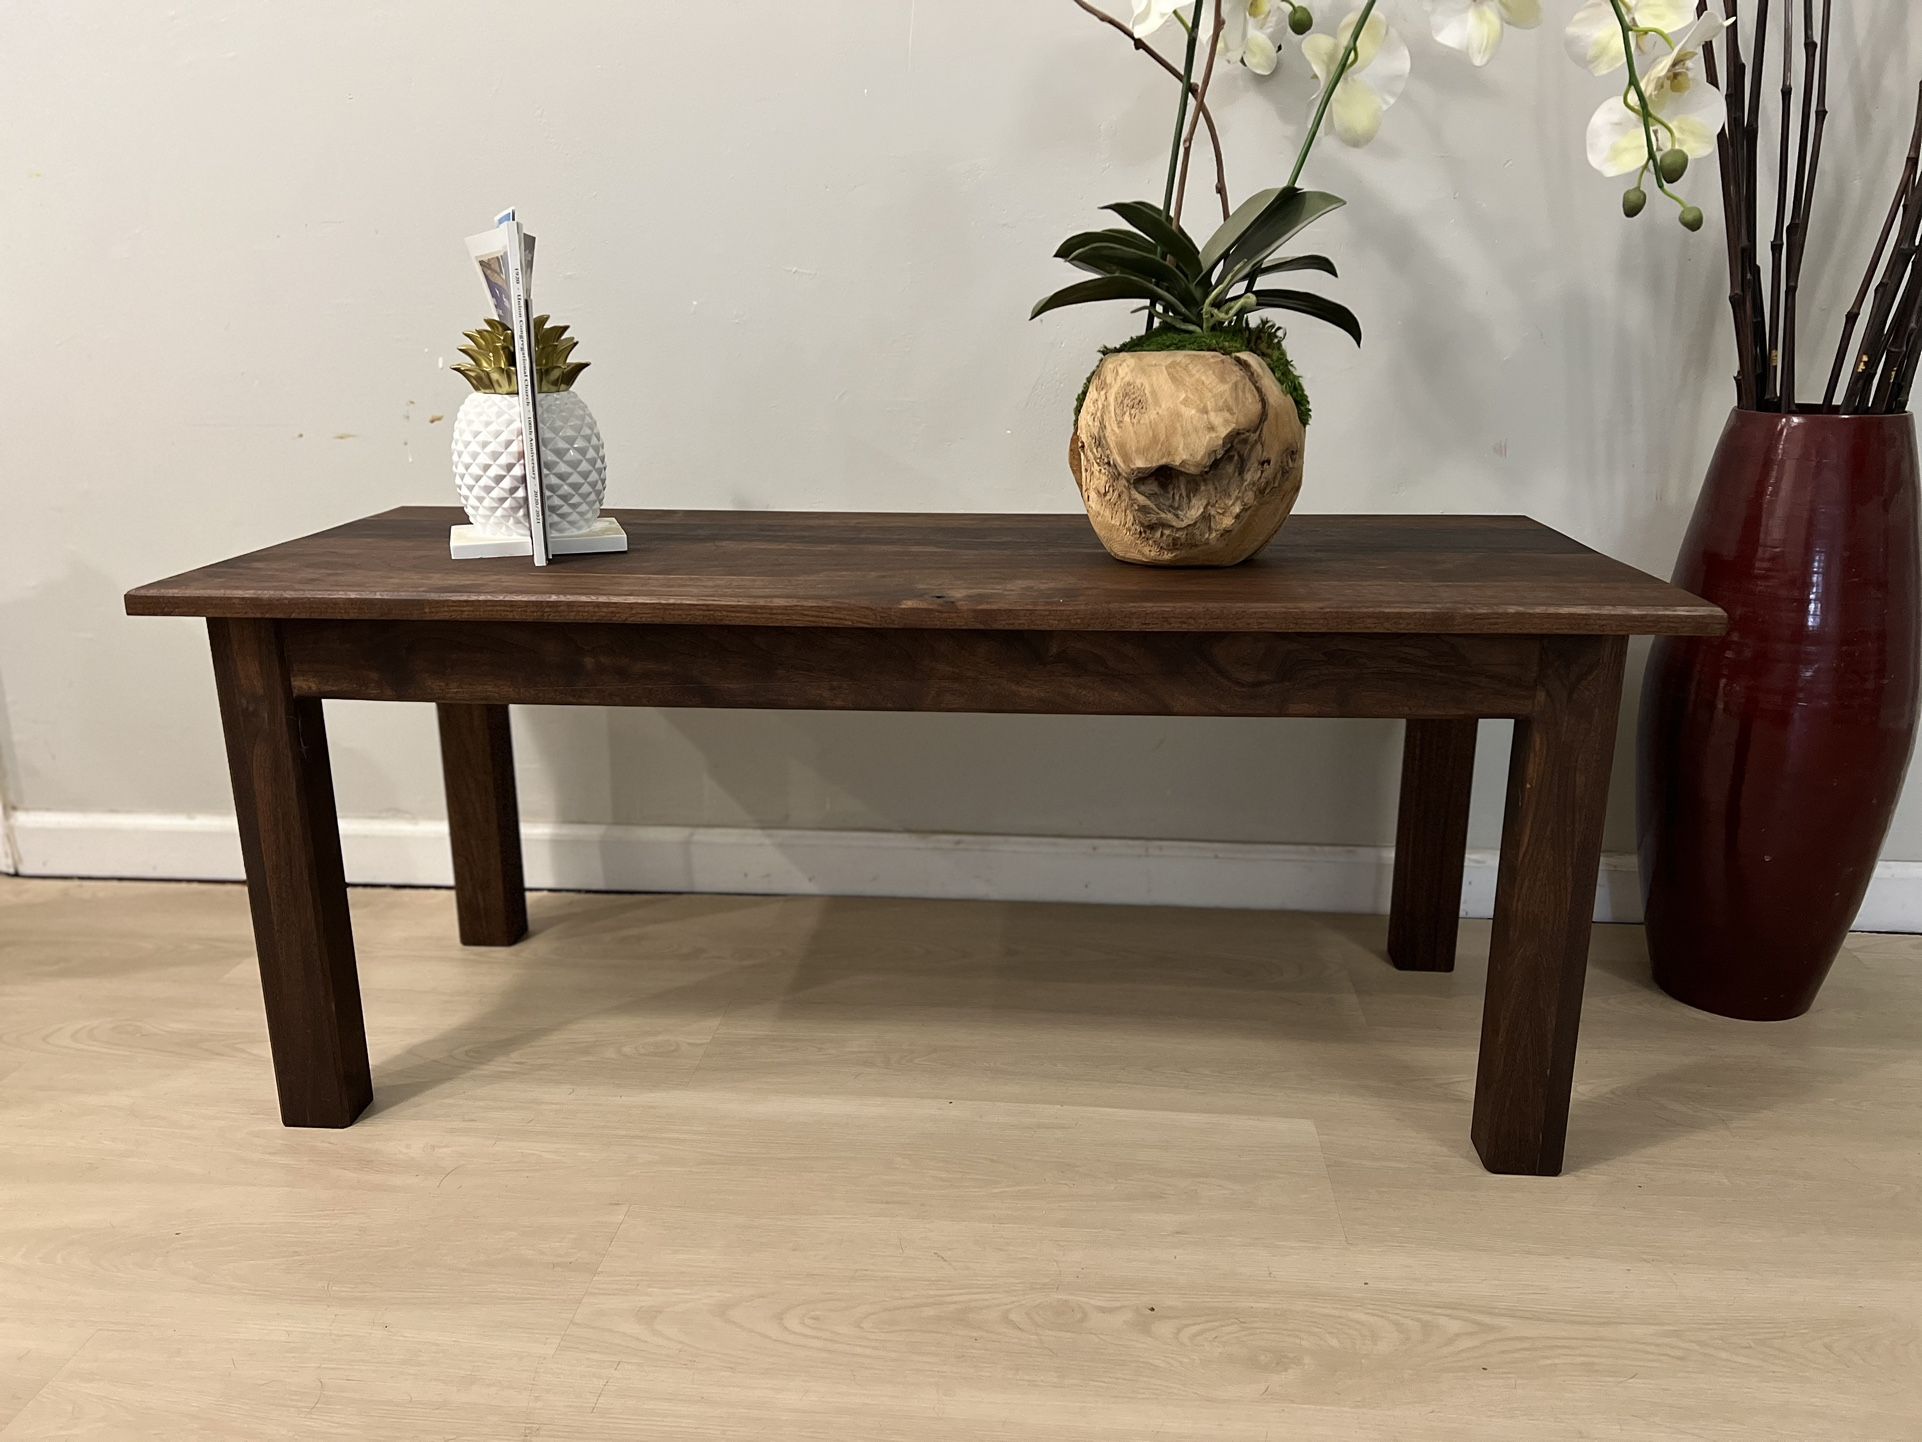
<point x="1612" y="477"/>
<point x="1303" y="782"/>
<point x="1287" y="782"/>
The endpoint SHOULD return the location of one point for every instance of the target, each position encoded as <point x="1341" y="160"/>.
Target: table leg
<point x="483" y="820"/>
<point x="1545" y="905"/>
<point x="1431" y="843"/>
<point x="290" y="839"/>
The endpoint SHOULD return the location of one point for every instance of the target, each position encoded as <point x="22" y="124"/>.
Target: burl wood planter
<point x="1186" y="458"/>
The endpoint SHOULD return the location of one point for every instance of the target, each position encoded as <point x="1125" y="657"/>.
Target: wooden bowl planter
<point x="1186" y="458"/>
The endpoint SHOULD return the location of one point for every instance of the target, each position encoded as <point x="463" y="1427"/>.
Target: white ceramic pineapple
<point x="490" y="451"/>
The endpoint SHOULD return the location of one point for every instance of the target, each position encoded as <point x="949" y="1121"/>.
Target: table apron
<point x="1103" y="673"/>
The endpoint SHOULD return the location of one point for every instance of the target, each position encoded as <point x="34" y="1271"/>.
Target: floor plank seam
<point x="587" y="1288"/>
<point x="26" y="1403"/>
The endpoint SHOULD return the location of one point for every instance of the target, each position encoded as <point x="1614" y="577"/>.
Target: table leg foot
<point x="483" y="821"/>
<point x="1431" y="843"/>
<point x="290" y="839"/>
<point x="1545" y="905"/>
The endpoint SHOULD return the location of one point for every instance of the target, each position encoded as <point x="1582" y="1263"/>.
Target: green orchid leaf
<point x="1108" y="287"/>
<point x="1299" y="262"/>
<point x="1309" y="304"/>
<point x="1235" y="226"/>
<point x="1291" y="212"/>
<point x="1247" y="270"/>
<point x="1118" y="260"/>
<point x="1133" y="239"/>
<point x="1228" y="282"/>
<point x="1155" y="223"/>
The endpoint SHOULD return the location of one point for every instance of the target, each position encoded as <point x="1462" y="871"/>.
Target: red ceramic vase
<point x="1772" y="756"/>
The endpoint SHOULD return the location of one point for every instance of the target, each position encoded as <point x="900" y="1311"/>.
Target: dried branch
<point x="1903" y="190"/>
<point x="1773" y="390"/>
<point x="1725" y="171"/>
<point x="1730" y="147"/>
<point x="1207" y="116"/>
<point x="1898" y="341"/>
<point x="1876" y="339"/>
<point x="1815" y="93"/>
<point x="1751" y="191"/>
<point x="1899" y="400"/>
<point x="1898" y="357"/>
<point x="1201" y="99"/>
<point x="1880" y="332"/>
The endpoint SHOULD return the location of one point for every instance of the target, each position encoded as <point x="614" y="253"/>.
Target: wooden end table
<point x="1438" y="620"/>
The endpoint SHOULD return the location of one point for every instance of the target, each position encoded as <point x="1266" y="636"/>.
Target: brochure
<point x="505" y="256"/>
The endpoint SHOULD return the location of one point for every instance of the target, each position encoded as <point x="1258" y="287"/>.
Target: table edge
<point x="176" y="596"/>
<point x="1700" y="619"/>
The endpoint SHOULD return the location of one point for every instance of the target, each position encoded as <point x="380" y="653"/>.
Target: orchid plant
<point x="1211" y="294"/>
<point x="1670" y="110"/>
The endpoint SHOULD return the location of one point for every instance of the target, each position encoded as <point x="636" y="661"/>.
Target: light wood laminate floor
<point x="706" y="1167"/>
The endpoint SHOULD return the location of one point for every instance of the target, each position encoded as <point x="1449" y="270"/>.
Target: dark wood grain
<point x="290" y="841"/>
<point x="1431" y="844"/>
<point x="1488" y="575"/>
<point x="838" y="669"/>
<point x="1545" y="906"/>
<point x="483" y="823"/>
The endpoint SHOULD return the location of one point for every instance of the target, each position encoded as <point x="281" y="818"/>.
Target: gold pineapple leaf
<point x="490" y="348"/>
<point x="562" y="378"/>
<point x="488" y="382"/>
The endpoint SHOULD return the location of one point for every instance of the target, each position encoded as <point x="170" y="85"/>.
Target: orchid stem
<point x="1181" y="125"/>
<point x="1181" y="110"/>
<point x="1342" y="67"/>
<point x="1201" y="102"/>
<point x="1641" y="106"/>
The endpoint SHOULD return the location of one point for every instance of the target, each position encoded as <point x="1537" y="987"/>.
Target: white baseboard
<point x="565" y="856"/>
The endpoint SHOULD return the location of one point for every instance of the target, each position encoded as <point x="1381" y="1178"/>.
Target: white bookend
<point x="469" y="543"/>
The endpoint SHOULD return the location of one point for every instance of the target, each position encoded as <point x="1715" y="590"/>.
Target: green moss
<point x="1263" y="338"/>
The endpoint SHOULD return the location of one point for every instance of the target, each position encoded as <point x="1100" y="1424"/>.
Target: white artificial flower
<point x="1594" y="36"/>
<point x="1475" y="27"/>
<point x="1244" y="37"/>
<point x="1370" y="85"/>
<point x="1151" y="15"/>
<point x="1687" y="112"/>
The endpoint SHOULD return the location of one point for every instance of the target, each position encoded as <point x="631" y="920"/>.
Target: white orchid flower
<point x="1244" y="37"/>
<point x="1475" y="27"/>
<point x="1151" y="15"/>
<point x="1594" y="36"/>
<point x="1370" y="85"/>
<point x="1686" y="112"/>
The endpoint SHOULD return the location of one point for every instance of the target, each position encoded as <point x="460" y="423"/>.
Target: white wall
<point x="799" y="243"/>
